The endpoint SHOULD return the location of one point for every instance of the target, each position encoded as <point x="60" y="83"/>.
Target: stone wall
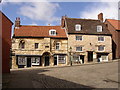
<point x="43" y="42"/>
<point x="90" y="43"/>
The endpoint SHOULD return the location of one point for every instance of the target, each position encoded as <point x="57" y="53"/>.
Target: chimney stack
<point x="17" y="22"/>
<point x="100" y="17"/>
<point x="63" y="21"/>
<point x="49" y="25"/>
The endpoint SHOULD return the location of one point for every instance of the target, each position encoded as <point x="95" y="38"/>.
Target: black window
<point x="36" y="45"/>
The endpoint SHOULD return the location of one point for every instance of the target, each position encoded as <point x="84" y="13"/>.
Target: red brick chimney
<point x="100" y="17"/>
<point x="17" y="22"/>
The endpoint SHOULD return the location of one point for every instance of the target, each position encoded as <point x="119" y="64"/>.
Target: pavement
<point x="102" y="75"/>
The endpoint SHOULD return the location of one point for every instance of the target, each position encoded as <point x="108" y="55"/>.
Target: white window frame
<point x="79" y="50"/>
<point x="57" y="46"/>
<point x="78" y="27"/>
<point x="100" y="40"/>
<point x="103" y="48"/>
<point x="52" y="30"/>
<point x="79" y="39"/>
<point x="99" y="28"/>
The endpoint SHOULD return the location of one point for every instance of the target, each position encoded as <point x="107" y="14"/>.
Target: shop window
<point x="61" y="59"/>
<point x="36" y="61"/>
<point x="21" y="60"/>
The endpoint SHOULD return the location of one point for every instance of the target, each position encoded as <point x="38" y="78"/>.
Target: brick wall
<point x="6" y="43"/>
<point x="115" y="38"/>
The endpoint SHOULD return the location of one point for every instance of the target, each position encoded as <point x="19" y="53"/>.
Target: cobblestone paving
<point x="103" y="75"/>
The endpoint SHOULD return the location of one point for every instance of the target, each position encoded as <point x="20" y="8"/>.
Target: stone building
<point x="38" y="46"/>
<point x="5" y="44"/>
<point x="76" y="40"/>
<point x="88" y="39"/>
<point x="114" y="28"/>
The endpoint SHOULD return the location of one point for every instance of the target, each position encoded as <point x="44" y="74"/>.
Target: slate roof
<point x="39" y="31"/>
<point x="89" y="26"/>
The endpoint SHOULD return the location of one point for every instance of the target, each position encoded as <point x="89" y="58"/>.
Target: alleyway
<point x="87" y="76"/>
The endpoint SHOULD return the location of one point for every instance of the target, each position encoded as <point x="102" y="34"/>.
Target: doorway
<point x="90" y="56"/>
<point x="28" y="62"/>
<point x="82" y="58"/>
<point x="46" y="60"/>
<point x="55" y="60"/>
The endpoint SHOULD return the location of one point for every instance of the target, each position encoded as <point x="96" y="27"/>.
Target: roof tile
<point x="39" y="31"/>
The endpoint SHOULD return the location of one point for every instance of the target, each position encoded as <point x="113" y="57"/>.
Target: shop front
<point x="28" y="61"/>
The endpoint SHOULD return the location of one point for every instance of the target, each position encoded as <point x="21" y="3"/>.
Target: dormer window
<point x="52" y="32"/>
<point x="77" y="27"/>
<point x="99" y="28"/>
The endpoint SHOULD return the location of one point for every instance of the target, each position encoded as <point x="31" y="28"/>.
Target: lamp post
<point x="70" y="56"/>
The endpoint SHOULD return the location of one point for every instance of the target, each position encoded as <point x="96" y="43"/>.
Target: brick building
<point x="88" y="39"/>
<point x="38" y="46"/>
<point x="6" y="26"/>
<point x="114" y="28"/>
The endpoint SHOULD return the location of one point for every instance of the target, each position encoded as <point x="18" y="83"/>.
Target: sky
<point x="44" y="13"/>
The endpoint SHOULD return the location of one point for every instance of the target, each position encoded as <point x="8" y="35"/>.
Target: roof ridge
<point x="84" y="19"/>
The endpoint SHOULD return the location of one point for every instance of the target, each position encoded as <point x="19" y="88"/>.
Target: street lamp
<point x="70" y="56"/>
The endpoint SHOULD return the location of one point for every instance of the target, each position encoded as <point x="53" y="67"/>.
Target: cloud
<point x="109" y="10"/>
<point x="44" y="11"/>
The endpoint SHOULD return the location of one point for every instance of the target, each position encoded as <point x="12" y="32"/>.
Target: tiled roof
<point x="89" y="26"/>
<point x="114" y="23"/>
<point x="39" y="31"/>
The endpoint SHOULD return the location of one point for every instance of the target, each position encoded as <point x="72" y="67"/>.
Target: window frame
<point x="81" y="47"/>
<point x="79" y="39"/>
<point x="52" y="30"/>
<point x="35" y="61"/>
<point x="57" y="46"/>
<point x="37" y="45"/>
<point x="78" y="27"/>
<point x="102" y="49"/>
<point x="99" y="28"/>
<point x="22" y="60"/>
<point x="100" y="40"/>
<point x="62" y="57"/>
